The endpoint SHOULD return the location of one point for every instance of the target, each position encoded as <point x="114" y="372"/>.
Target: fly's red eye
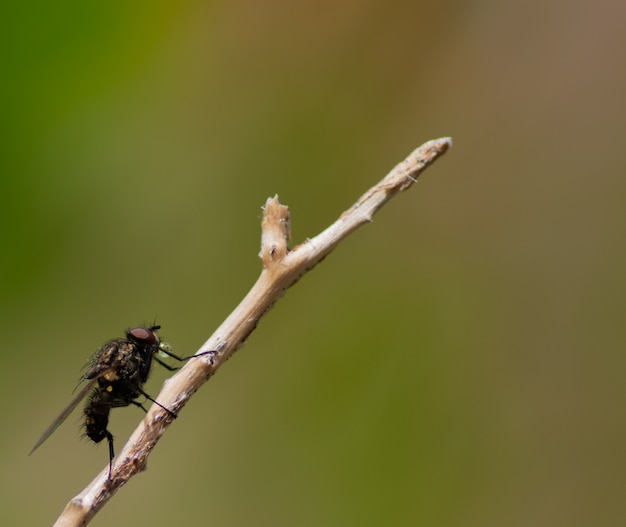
<point x="144" y="335"/>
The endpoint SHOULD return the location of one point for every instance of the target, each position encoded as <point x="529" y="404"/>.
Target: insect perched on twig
<point x="117" y="373"/>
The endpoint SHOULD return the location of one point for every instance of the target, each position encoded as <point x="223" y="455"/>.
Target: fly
<point x="114" y="377"/>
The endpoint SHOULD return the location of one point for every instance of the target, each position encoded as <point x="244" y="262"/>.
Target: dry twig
<point x="281" y="269"/>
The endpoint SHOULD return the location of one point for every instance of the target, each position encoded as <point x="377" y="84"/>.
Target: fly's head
<point x="145" y="343"/>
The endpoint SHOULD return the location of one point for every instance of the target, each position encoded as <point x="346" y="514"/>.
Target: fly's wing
<point x="63" y="415"/>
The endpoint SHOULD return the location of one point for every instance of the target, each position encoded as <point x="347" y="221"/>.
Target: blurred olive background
<point x="458" y="362"/>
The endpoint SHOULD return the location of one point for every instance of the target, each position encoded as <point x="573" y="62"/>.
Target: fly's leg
<point x="163" y="348"/>
<point x="140" y="391"/>
<point x="109" y="437"/>
<point x="166" y="365"/>
<point x="139" y="405"/>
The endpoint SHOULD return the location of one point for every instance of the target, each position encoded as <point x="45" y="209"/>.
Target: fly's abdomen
<point x="97" y="416"/>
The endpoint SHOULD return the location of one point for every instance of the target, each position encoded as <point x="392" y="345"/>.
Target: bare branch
<point x="281" y="269"/>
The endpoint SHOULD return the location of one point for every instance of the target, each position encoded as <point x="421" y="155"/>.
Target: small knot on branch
<point x="275" y="232"/>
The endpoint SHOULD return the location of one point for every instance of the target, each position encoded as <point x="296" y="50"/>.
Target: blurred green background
<point x="458" y="362"/>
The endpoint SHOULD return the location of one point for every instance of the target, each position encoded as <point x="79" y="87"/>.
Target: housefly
<point x="114" y="377"/>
